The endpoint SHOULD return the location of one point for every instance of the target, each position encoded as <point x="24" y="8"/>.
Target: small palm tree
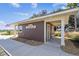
<point x="72" y="5"/>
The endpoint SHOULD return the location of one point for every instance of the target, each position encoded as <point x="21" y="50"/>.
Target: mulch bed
<point x="27" y="41"/>
<point x="72" y="47"/>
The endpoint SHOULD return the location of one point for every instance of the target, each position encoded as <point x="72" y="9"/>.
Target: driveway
<point x="16" y="48"/>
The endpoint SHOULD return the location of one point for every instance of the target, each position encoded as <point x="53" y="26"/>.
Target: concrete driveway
<point x="16" y="48"/>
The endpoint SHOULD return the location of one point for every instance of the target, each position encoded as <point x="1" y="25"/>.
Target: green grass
<point x="6" y="32"/>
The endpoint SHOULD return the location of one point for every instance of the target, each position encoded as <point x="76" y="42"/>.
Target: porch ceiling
<point x="55" y="20"/>
<point x="56" y="23"/>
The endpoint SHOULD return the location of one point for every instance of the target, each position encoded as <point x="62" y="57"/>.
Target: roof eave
<point x="40" y="18"/>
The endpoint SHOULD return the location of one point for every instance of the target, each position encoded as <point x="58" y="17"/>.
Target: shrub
<point x="5" y="32"/>
<point x="72" y="34"/>
<point x="57" y="33"/>
<point x="76" y="38"/>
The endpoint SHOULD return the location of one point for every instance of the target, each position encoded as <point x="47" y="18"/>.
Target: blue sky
<point x="13" y="12"/>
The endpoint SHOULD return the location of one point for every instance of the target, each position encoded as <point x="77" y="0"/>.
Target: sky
<point x="13" y="12"/>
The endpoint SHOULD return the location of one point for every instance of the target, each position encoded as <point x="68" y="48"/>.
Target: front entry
<point x="49" y="32"/>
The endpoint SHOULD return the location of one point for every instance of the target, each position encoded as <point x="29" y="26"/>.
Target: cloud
<point x="34" y="5"/>
<point x="22" y="14"/>
<point x="17" y="5"/>
<point x="59" y="5"/>
<point x="63" y="7"/>
<point x="1" y="22"/>
<point x="55" y="4"/>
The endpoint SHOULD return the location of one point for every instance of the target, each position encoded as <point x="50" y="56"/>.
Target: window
<point x="30" y="26"/>
<point x="20" y="28"/>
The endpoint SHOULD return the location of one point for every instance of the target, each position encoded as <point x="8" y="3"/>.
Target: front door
<point x="48" y="32"/>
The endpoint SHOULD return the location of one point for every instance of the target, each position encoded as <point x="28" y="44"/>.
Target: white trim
<point x="62" y="33"/>
<point x="45" y="32"/>
<point x="15" y="30"/>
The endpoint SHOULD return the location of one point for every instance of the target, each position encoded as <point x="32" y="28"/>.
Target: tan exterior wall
<point x="64" y="17"/>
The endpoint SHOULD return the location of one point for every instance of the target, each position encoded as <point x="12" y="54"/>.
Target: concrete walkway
<point x="16" y="48"/>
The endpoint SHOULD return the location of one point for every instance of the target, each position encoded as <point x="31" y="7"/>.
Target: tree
<point x="72" y="5"/>
<point x="42" y="13"/>
<point x="71" y="21"/>
<point x="78" y="22"/>
<point x="34" y="15"/>
<point x="55" y="11"/>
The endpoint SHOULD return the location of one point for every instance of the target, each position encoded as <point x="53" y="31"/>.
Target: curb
<point x="6" y="51"/>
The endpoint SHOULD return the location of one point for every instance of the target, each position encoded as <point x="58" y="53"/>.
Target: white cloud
<point x="34" y="5"/>
<point x="22" y="14"/>
<point x="59" y="5"/>
<point x="2" y="22"/>
<point x="63" y="7"/>
<point x="17" y="5"/>
<point x="55" y="4"/>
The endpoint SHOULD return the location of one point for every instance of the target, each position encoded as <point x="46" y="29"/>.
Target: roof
<point x="41" y="17"/>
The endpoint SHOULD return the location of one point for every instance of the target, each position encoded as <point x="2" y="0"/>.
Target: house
<point x="42" y="28"/>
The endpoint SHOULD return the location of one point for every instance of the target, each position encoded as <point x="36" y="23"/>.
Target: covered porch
<point x="60" y="20"/>
<point x="50" y="31"/>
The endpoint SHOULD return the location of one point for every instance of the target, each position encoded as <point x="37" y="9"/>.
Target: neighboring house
<point x="42" y="28"/>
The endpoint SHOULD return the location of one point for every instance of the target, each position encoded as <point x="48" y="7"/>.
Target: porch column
<point x="14" y="30"/>
<point x="45" y="32"/>
<point x="62" y="33"/>
<point x="18" y="28"/>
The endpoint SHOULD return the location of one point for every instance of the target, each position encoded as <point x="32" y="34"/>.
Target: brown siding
<point x="33" y="34"/>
